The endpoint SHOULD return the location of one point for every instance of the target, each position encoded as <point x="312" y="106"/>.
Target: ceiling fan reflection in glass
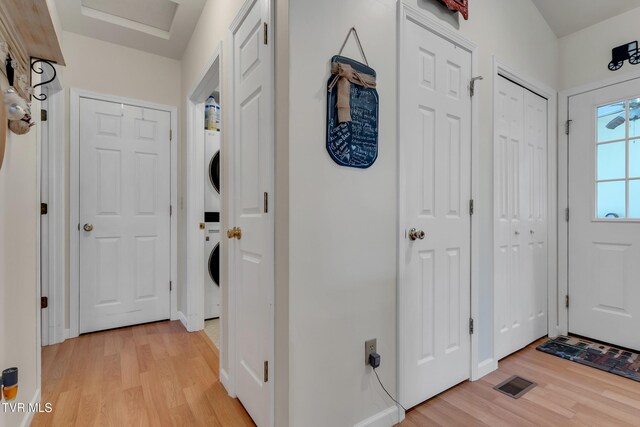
<point x="634" y="114"/>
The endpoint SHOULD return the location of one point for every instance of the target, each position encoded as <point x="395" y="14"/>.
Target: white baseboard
<point x="486" y="367"/>
<point x="385" y="418"/>
<point x="28" y="415"/>
<point x="183" y="319"/>
<point x="224" y="380"/>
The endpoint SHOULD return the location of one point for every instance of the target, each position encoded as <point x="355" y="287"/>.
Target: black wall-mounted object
<point x="622" y="53"/>
<point x="36" y="67"/>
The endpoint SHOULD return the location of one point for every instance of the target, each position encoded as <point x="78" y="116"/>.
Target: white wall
<point x="111" y="69"/>
<point x="19" y="263"/>
<point x="584" y="55"/>
<point x="342" y="285"/>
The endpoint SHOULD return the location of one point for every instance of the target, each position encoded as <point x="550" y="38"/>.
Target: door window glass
<point x="611" y="120"/>
<point x="618" y="160"/>
<point x="611" y="160"/>
<point x="634" y="199"/>
<point x="611" y="199"/>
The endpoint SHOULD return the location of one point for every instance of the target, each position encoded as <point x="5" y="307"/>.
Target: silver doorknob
<point x="531" y="232"/>
<point x="416" y="234"/>
<point x="517" y="233"/>
<point x="88" y="227"/>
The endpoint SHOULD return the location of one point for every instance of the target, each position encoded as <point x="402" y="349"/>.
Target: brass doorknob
<point x="88" y="227"/>
<point x="416" y="234"/>
<point x="235" y="232"/>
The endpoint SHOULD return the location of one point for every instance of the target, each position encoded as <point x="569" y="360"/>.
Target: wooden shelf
<point x="32" y="27"/>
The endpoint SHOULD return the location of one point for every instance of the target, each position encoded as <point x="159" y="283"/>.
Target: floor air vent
<point x="515" y="386"/>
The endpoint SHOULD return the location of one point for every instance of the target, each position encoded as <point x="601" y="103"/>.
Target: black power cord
<point x="374" y="361"/>
<point x="385" y="390"/>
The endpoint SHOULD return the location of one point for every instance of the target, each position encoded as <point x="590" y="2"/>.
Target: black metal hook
<point x="9" y="69"/>
<point x="39" y="70"/>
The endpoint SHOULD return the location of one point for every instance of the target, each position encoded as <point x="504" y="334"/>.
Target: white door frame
<point x="435" y="26"/>
<point x="53" y="243"/>
<point x="500" y="68"/>
<point x="209" y="80"/>
<point x="229" y="208"/>
<point x="74" y="197"/>
<point x="563" y="185"/>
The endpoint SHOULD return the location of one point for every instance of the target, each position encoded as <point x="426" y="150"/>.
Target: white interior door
<point x="125" y="225"/>
<point x="252" y="175"/>
<point x="604" y="206"/>
<point x="435" y="190"/>
<point x="520" y="217"/>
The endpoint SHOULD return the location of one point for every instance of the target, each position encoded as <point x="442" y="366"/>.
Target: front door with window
<point x="604" y="207"/>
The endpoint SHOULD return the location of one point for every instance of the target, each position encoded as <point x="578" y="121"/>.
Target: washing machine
<point x="212" y="224"/>
<point x="212" y="172"/>
<point x="212" y="294"/>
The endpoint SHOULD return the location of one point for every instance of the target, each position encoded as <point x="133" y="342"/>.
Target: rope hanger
<point x="355" y="33"/>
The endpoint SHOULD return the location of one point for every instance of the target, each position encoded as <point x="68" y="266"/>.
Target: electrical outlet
<point x="370" y="346"/>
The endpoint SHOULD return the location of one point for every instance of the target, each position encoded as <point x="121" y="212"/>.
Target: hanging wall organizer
<point x="352" y="110"/>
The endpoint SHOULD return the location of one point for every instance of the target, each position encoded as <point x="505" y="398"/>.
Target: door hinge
<point x="266" y="202"/>
<point x="170" y="210"/>
<point x="472" y="85"/>
<point x="567" y="127"/>
<point x="44" y="208"/>
<point x="470" y="326"/>
<point x="266" y="33"/>
<point x="170" y="135"/>
<point x="266" y="371"/>
<point x="566" y="214"/>
<point x="170" y="286"/>
<point x="566" y="301"/>
<point x="471" y="207"/>
<point x="44" y="115"/>
<point x="44" y="302"/>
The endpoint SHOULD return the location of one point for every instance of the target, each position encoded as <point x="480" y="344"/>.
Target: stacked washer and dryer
<point x="212" y="294"/>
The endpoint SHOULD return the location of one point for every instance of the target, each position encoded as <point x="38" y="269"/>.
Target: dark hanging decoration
<point x="622" y="53"/>
<point x="38" y="70"/>
<point x="352" y="110"/>
<point x="9" y="67"/>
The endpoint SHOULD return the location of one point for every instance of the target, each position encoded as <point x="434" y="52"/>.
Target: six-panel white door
<point x="252" y="175"/>
<point x="520" y="218"/>
<point x="435" y="164"/>
<point x="124" y="215"/>
<point x="604" y="205"/>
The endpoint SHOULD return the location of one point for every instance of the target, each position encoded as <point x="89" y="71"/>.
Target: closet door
<point x="535" y="217"/>
<point x="520" y="278"/>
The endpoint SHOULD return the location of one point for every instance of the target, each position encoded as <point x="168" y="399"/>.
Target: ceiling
<point x="568" y="16"/>
<point x="162" y="27"/>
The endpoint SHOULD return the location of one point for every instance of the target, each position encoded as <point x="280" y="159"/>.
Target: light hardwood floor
<point x="568" y="394"/>
<point x="161" y="375"/>
<point x="148" y="375"/>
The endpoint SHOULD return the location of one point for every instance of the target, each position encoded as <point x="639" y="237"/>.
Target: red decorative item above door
<point x="461" y="6"/>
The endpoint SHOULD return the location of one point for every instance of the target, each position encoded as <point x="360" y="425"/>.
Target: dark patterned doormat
<point x="621" y="362"/>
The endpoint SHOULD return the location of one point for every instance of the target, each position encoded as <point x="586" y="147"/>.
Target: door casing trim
<point x="192" y="315"/>
<point x="74" y="198"/>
